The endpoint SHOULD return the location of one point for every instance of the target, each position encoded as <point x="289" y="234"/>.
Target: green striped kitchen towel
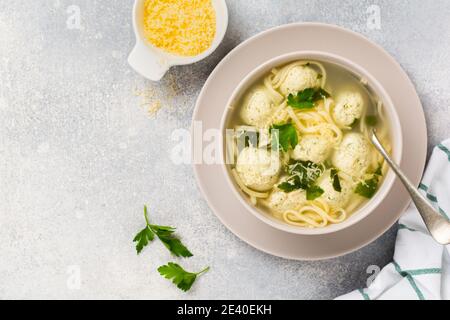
<point x="421" y="266"/>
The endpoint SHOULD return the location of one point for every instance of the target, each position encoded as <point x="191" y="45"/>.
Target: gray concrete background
<point x="79" y="155"/>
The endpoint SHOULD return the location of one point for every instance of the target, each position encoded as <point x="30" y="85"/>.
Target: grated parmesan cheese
<point x="181" y="27"/>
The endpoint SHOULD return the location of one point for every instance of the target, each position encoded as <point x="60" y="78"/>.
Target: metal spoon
<point x="437" y="225"/>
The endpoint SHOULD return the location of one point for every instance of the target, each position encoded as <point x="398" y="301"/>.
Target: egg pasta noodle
<point x="276" y="96"/>
<point x="325" y="111"/>
<point x="325" y="168"/>
<point x="280" y="115"/>
<point x="310" y="123"/>
<point x="314" y="214"/>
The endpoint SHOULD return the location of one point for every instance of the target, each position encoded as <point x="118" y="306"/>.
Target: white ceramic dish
<point x="152" y="62"/>
<point x="252" y="53"/>
<point x="388" y="107"/>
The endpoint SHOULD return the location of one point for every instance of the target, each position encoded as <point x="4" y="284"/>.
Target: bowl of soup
<point x="296" y="147"/>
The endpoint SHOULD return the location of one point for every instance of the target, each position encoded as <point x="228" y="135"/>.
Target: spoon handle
<point x="438" y="226"/>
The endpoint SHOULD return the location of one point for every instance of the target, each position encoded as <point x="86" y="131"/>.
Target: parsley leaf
<point x="336" y="181"/>
<point x="162" y="230"/>
<point x="379" y="171"/>
<point x="247" y="138"/>
<point x="180" y="277"/>
<point x="368" y="188"/>
<point x="175" y="246"/>
<point x="371" y="121"/>
<point x="290" y="185"/>
<point x="302" y="175"/>
<point x="143" y="238"/>
<point x="305" y="99"/>
<point x="284" y="136"/>
<point x="164" y="234"/>
<point x="314" y="192"/>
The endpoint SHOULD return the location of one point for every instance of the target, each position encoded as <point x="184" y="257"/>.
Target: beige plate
<point x="320" y="37"/>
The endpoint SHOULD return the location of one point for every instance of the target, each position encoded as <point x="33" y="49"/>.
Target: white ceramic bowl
<point x="391" y="115"/>
<point x="152" y="62"/>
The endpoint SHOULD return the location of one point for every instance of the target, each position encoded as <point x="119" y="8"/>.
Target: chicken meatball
<point x="257" y="107"/>
<point x="335" y="198"/>
<point x="280" y="201"/>
<point x="313" y="148"/>
<point x="300" y="78"/>
<point x="353" y="155"/>
<point x="349" y="108"/>
<point x="258" y="168"/>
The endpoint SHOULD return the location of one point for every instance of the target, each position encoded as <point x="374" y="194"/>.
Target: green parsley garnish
<point x="247" y="138"/>
<point x="180" y="277"/>
<point x="368" y="188"/>
<point x="336" y="181"/>
<point x="371" y="121"/>
<point x="306" y="99"/>
<point x="164" y="234"/>
<point x="379" y="171"/>
<point x="284" y="137"/>
<point x="314" y="192"/>
<point x="302" y="175"/>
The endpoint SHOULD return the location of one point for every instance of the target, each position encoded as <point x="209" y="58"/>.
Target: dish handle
<point x="147" y="63"/>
